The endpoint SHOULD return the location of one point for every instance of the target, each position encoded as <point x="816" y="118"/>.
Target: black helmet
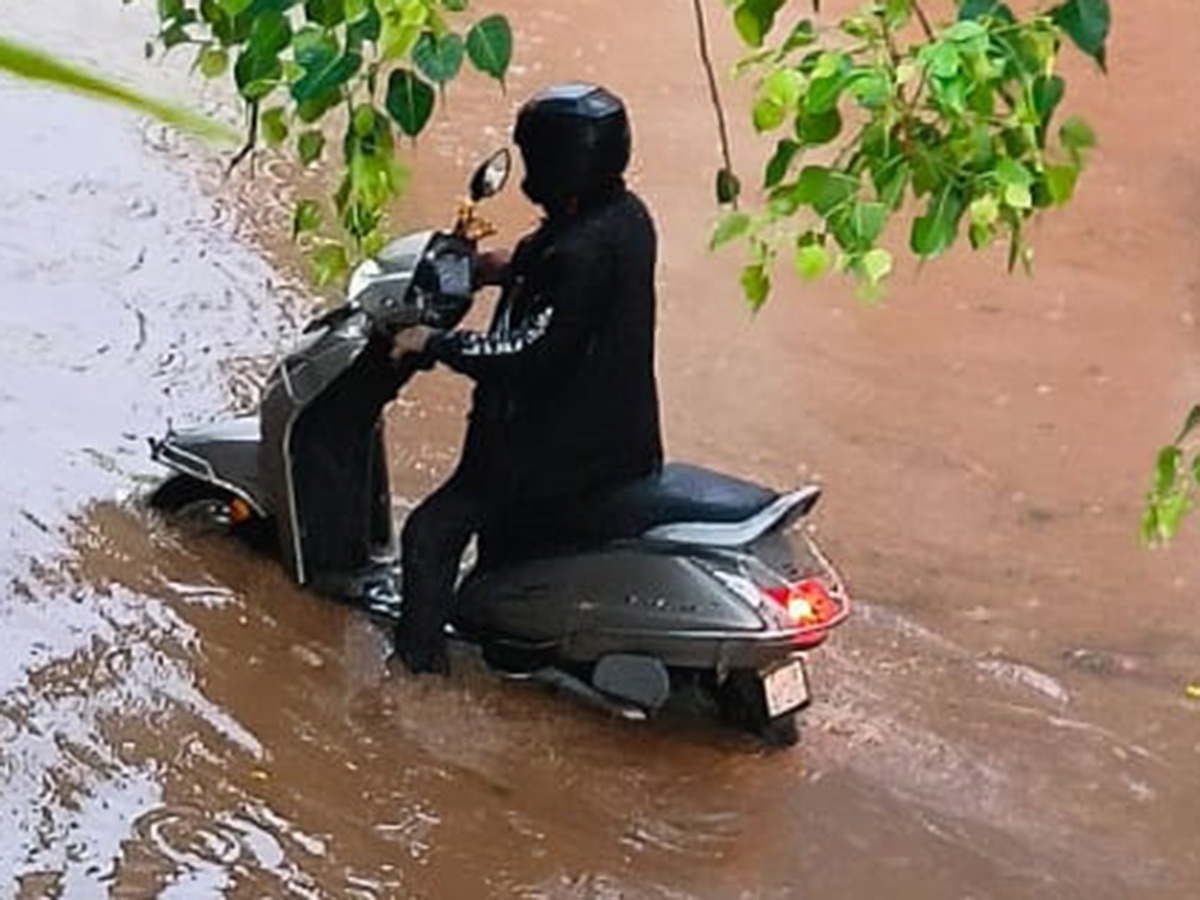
<point x="575" y="141"/>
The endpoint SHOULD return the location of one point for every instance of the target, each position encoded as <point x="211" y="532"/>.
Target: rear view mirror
<point x="491" y="175"/>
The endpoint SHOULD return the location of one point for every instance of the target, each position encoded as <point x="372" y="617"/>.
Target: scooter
<point x="699" y="579"/>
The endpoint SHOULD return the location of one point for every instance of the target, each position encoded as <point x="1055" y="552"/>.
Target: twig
<point x="714" y="94"/>
<point x="924" y="19"/>
<point x="251" y="140"/>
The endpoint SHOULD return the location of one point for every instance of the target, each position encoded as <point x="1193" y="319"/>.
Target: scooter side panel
<point x="625" y="599"/>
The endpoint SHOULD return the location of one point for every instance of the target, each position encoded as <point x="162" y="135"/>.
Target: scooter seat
<point x="680" y="493"/>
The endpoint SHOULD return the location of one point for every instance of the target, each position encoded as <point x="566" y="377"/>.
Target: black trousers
<point x="434" y="538"/>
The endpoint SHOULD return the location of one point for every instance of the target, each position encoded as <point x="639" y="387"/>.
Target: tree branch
<point x="714" y="94"/>
<point x="924" y="19"/>
<point x="251" y="140"/>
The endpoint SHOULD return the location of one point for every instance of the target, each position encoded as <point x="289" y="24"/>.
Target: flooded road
<point x="1004" y="718"/>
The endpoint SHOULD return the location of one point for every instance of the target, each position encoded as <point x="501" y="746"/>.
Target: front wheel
<point x="204" y="508"/>
<point x="742" y="701"/>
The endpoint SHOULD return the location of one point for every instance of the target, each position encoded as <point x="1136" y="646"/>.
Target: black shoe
<point x="422" y="657"/>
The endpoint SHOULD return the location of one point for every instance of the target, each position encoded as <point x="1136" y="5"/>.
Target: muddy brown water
<point x="1004" y="718"/>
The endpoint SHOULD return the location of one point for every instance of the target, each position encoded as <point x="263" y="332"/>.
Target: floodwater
<point x="1004" y="718"/>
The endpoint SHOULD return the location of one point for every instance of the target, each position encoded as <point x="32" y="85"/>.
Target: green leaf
<point x="1047" y="95"/>
<point x="867" y="221"/>
<point x="439" y="58"/>
<point x="890" y="176"/>
<point x="756" y="285"/>
<point x="174" y="36"/>
<point x="934" y="232"/>
<point x="169" y="9"/>
<point x="270" y="34"/>
<point x="274" y="128"/>
<point x="754" y="20"/>
<point x="256" y="75"/>
<point x="876" y="265"/>
<point x="823" y="93"/>
<point x="964" y="31"/>
<point x="978" y="9"/>
<point x="777" y="96"/>
<point x="397" y="38"/>
<point x="330" y="264"/>
<point x="731" y="225"/>
<point x="1077" y="135"/>
<point x="490" y="46"/>
<point x="212" y="61"/>
<point x="825" y="189"/>
<point x="1009" y="172"/>
<point x="943" y="59"/>
<point x="310" y="146"/>
<point x="897" y="13"/>
<point x="818" y="129"/>
<point x="326" y="69"/>
<point x="34" y="65"/>
<point x="312" y="108"/>
<point x="803" y="34"/>
<point x="328" y="13"/>
<point x="454" y="5"/>
<point x="729" y="187"/>
<point x="980" y="236"/>
<point x="812" y="261"/>
<point x="781" y="161"/>
<point x="367" y="28"/>
<point x="871" y="89"/>
<point x="1171" y="511"/>
<point x="1166" y="469"/>
<point x="1018" y="196"/>
<point x="1087" y="23"/>
<point x="234" y="8"/>
<point x="1060" y="183"/>
<point x="1190" y="424"/>
<point x="363" y="121"/>
<point x="985" y="210"/>
<point x="784" y="200"/>
<point x="306" y="217"/>
<point x="767" y="115"/>
<point x="410" y="101"/>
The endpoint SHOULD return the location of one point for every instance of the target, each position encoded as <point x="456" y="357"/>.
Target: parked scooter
<point x="699" y="578"/>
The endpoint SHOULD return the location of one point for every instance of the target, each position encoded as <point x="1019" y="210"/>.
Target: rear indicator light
<point x="807" y="603"/>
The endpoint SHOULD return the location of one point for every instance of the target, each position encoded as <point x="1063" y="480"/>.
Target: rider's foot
<point x="422" y="657"/>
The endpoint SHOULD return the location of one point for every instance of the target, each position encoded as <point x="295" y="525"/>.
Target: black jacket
<point x="565" y="400"/>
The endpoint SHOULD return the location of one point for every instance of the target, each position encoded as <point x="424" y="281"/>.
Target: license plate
<point x="786" y="687"/>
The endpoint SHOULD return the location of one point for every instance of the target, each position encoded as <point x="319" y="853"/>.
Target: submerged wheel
<point x="179" y="491"/>
<point x="742" y="702"/>
<point x="204" y="508"/>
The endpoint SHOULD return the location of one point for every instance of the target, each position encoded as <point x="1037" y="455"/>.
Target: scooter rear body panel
<point x="684" y="606"/>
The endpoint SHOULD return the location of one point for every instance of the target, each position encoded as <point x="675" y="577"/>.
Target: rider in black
<point x="565" y="405"/>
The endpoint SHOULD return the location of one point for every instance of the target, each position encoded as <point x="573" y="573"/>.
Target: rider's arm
<point x="547" y="340"/>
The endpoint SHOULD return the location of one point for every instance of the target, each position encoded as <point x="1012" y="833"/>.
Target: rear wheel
<point x="742" y="702"/>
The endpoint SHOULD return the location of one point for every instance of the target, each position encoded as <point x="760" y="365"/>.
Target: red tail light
<point x="807" y="603"/>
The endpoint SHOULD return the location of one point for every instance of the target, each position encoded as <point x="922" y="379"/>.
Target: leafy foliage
<point x="34" y="65"/>
<point x="886" y="114"/>
<point x="1175" y="487"/>
<point x="371" y="68"/>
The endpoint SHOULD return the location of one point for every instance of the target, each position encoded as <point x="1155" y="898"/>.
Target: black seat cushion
<point x="679" y="493"/>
